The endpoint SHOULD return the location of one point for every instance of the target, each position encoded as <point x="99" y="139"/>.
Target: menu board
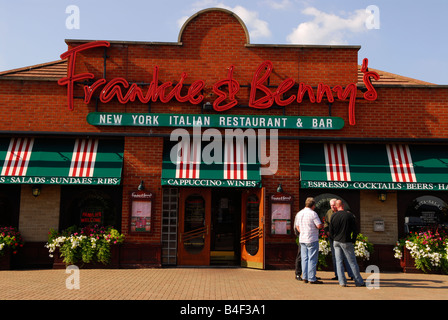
<point x="141" y="211"/>
<point x="281" y="219"/>
<point x="281" y="214"/>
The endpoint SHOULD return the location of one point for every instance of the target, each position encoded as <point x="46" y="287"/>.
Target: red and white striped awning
<point x="189" y="160"/>
<point x="374" y="166"/>
<point x="231" y="165"/>
<point x="400" y="161"/>
<point x="336" y="162"/>
<point x="84" y="157"/>
<point x="17" y="157"/>
<point x="60" y="161"/>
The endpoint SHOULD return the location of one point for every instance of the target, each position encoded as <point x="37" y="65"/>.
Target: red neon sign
<point x="124" y="92"/>
<point x="72" y="78"/>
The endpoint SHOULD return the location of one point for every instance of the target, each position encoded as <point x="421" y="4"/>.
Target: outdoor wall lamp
<point x="382" y="196"/>
<point x="35" y="190"/>
<point x="207" y="106"/>
<point x="279" y="188"/>
<point x="141" y="186"/>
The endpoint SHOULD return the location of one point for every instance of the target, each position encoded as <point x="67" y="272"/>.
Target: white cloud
<point x="257" y="28"/>
<point x="181" y="21"/>
<point x="328" y="28"/>
<point x="278" y="5"/>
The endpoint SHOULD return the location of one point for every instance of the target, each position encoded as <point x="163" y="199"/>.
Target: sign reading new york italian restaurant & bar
<point x="214" y="121"/>
<point x="226" y="90"/>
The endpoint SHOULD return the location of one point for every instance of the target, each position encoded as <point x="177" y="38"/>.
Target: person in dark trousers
<point x="298" y="269"/>
<point x="343" y="231"/>
<point x="327" y="220"/>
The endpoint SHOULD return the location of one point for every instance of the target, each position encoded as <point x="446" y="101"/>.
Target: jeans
<point x="346" y="249"/>
<point x="298" y="262"/>
<point x="346" y="265"/>
<point x="310" y="254"/>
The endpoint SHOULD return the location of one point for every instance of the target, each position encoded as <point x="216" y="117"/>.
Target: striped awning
<point x="374" y="166"/>
<point x="205" y="164"/>
<point x="28" y="160"/>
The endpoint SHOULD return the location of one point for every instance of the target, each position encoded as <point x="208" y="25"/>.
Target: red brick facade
<point x="209" y="43"/>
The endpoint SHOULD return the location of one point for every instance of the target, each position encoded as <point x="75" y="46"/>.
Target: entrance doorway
<point x="209" y="226"/>
<point x="226" y="219"/>
<point x="221" y="227"/>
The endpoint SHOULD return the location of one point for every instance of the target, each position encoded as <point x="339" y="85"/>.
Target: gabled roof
<point x="387" y="78"/>
<point x="53" y="71"/>
<point x="50" y="71"/>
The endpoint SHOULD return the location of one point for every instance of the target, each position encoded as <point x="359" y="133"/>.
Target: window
<point x="85" y="205"/>
<point x="426" y="211"/>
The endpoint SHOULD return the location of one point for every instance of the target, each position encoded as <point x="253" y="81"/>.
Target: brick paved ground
<point x="210" y="284"/>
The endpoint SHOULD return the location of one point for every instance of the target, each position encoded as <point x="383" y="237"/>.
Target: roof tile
<point x="58" y="69"/>
<point x="46" y="71"/>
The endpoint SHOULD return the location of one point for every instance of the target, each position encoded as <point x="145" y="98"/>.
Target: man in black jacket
<point x="343" y="231"/>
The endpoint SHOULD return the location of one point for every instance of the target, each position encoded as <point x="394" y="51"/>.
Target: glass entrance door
<point x="194" y="237"/>
<point x="221" y="227"/>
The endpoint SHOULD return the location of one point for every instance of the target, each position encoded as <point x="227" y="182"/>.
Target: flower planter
<point x="10" y="240"/>
<point x="5" y="259"/>
<point x="58" y="262"/>
<point x="362" y="264"/>
<point x="429" y="246"/>
<point x="408" y="263"/>
<point x="329" y="264"/>
<point x="95" y="243"/>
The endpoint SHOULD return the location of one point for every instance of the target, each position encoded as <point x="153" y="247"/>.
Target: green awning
<point x="205" y="164"/>
<point x="374" y="166"/>
<point x="61" y="161"/>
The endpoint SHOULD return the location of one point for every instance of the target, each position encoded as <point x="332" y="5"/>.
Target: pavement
<point x="200" y="284"/>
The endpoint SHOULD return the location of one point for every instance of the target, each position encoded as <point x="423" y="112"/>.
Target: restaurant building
<point x="201" y="151"/>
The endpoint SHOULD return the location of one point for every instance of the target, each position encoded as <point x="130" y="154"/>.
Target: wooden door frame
<point x="256" y="261"/>
<point x="183" y="256"/>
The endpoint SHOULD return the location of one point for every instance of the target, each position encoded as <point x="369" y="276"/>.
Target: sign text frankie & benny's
<point x="121" y="89"/>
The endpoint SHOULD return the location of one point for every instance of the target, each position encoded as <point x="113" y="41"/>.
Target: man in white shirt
<point x="307" y="222"/>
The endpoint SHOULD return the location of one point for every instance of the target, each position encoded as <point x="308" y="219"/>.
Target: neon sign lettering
<point x="165" y="92"/>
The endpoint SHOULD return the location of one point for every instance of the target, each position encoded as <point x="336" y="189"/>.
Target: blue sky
<point x="408" y="38"/>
